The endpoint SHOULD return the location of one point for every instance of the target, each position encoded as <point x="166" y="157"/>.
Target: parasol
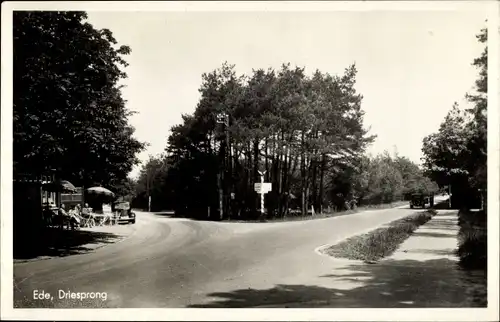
<point x="59" y="186"/>
<point x="100" y="191"/>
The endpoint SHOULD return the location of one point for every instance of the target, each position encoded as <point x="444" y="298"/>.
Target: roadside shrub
<point x="380" y="242"/>
<point x="472" y="239"/>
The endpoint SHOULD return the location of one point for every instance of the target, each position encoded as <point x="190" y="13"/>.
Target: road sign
<point x="263" y="187"/>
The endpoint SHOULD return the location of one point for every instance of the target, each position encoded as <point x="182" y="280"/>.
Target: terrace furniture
<point x="74" y="219"/>
<point x="101" y="219"/>
<point x="115" y="218"/>
<point x="86" y="221"/>
<point x="90" y="221"/>
<point x="89" y="217"/>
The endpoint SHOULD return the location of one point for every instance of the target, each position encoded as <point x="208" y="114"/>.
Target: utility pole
<point x="229" y="168"/>
<point x="262" y="192"/>
<point x="147" y="189"/>
<point x="224" y="177"/>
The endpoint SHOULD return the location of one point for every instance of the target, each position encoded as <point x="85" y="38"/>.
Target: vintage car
<point x="125" y="212"/>
<point x="420" y="200"/>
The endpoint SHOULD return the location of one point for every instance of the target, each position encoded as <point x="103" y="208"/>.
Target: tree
<point x="124" y="189"/>
<point x="306" y="132"/>
<point x="456" y="155"/>
<point x="385" y="181"/>
<point x="69" y="114"/>
<point x="151" y="183"/>
<point x="290" y="125"/>
<point x="478" y="126"/>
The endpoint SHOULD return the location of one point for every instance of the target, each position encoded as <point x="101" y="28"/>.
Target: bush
<point x="380" y="242"/>
<point x="472" y="239"/>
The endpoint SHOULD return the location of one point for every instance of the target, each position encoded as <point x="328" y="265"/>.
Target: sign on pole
<point x="263" y="187"/>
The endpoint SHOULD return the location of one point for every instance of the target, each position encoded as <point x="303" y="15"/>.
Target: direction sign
<point x="263" y="187"/>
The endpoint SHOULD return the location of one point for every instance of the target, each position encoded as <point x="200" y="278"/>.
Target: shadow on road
<point x="403" y="284"/>
<point x="57" y="242"/>
<point x="170" y="214"/>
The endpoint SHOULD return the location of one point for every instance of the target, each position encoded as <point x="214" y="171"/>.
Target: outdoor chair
<point x="99" y="220"/>
<point x="113" y="219"/>
<point x="110" y="218"/>
<point x="85" y="221"/>
<point x="63" y="221"/>
<point x="106" y="218"/>
<point x="90" y="220"/>
<point x="74" y="219"/>
<point x="47" y="217"/>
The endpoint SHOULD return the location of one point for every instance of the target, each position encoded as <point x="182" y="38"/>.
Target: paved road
<point x="168" y="262"/>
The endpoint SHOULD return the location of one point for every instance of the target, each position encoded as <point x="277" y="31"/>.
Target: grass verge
<point x="381" y="242"/>
<point x="472" y="237"/>
<point x="472" y="252"/>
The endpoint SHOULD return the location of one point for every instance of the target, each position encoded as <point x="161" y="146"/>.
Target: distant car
<point x="125" y="211"/>
<point x="420" y="200"/>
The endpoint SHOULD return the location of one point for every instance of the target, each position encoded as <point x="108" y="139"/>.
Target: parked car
<point x="125" y="210"/>
<point x="420" y="200"/>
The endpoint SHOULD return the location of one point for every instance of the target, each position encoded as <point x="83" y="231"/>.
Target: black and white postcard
<point x="250" y="160"/>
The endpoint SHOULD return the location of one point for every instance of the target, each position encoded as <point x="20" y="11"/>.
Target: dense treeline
<point x="68" y="112"/>
<point x="456" y="155"/>
<point x="306" y="133"/>
<point x="69" y="116"/>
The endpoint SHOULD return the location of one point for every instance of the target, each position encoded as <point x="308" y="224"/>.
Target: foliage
<point x="306" y="132"/>
<point x="472" y="239"/>
<point x="124" y="189"/>
<point x="478" y="126"/>
<point x="152" y="182"/>
<point x="385" y="179"/>
<point x="381" y="242"/>
<point x="69" y="114"/>
<point x="283" y="122"/>
<point x="456" y="155"/>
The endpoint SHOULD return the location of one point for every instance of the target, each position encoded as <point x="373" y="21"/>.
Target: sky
<point x="412" y="65"/>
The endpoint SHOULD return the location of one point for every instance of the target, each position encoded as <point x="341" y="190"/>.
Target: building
<point x="27" y="204"/>
<point x="73" y="199"/>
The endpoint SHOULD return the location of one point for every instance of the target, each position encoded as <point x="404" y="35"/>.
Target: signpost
<point x="262" y="188"/>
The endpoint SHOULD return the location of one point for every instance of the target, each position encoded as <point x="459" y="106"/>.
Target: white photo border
<point x="472" y="314"/>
